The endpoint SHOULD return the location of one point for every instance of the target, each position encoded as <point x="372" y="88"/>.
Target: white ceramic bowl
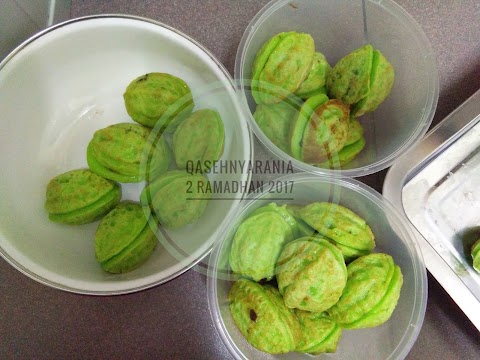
<point x="59" y="87"/>
<point x="339" y="27"/>
<point x="393" y="235"/>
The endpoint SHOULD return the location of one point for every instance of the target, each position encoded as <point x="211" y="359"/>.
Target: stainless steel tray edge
<point x="407" y="166"/>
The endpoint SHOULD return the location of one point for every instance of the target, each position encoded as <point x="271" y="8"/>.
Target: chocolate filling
<point x="253" y="315"/>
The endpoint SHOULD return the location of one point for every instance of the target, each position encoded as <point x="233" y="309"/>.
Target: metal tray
<point x="437" y="186"/>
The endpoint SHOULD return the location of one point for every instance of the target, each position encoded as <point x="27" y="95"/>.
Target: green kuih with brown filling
<point x="124" y="240"/>
<point x="371" y="294"/>
<point x="258" y="241"/>
<point x="262" y="317"/>
<point x="199" y="139"/>
<point x="348" y="231"/>
<point x="158" y="99"/>
<point x="80" y="196"/>
<point x="311" y="274"/>
<point x="281" y="66"/>
<point x="124" y="152"/>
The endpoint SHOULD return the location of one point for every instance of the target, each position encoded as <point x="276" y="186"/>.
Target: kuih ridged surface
<point x="281" y="66"/>
<point x="177" y="198"/>
<point x="124" y="240"/>
<point x="320" y="334"/>
<point x="199" y="139"/>
<point x="258" y="241"/>
<point x="80" y="196"/>
<point x="123" y="152"/>
<point x="262" y="318"/>
<point x="311" y="274"/>
<point x="371" y="294"/>
<point x="341" y="225"/>
<point x="158" y="99"/>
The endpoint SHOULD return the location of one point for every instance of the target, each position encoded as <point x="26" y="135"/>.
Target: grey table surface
<point x="172" y="321"/>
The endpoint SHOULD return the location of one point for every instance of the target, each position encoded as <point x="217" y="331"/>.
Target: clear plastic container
<point x="339" y="27"/>
<point x="393" y="235"/>
<point x="73" y="76"/>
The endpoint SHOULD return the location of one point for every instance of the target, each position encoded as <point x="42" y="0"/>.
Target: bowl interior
<point x="391" y="340"/>
<point x="339" y="27"/>
<point x="56" y="91"/>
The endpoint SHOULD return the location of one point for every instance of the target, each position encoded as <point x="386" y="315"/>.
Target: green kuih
<point x="476" y="255"/>
<point x="262" y="317"/>
<point x="177" y="198"/>
<point x="124" y="240"/>
<point x="320" y="334"/>
<point x="355" y="132"/>
<point x="349" y="79"/>
<point x="311" y="274"/>
<point x="315" y="83"/>
<point x="363" y="78"/>
<point x="275" y="121"/>
<point x="199" y="139"/>
<point x="353" y="146"/>
<point x="300" y="124"/>
<point x="344" y="156"/>
<point x="348" y="231"/>
<point x="303" y="228"/>
<point x="259" y="240"/>
<point x="382" y="78"/>
<point x="281" y="66"/>
<point x="80" y="196"/>
<point x="320" y="131"/>
<point x="371" y="294"/>
<point x="158" y="99"/>
<point x="124" y="153"/>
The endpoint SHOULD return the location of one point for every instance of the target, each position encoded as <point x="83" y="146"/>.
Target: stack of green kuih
<point x="162" y="106"/>
<point x="304" y="274"/>
<point x="309" y="110"/>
